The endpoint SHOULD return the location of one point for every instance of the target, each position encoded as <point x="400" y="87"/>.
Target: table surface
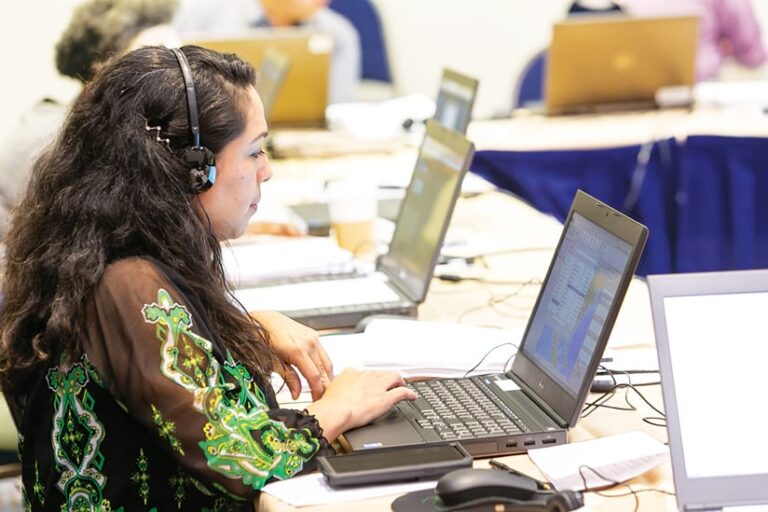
<point x="532" y="236"/>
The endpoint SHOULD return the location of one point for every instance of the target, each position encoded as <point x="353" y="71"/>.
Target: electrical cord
<point x="466" y="374"/>
<point x="600" y="490"/>
<point x="591" y="407"/>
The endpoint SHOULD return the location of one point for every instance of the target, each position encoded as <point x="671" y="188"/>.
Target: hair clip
<point x="158" y="138"/>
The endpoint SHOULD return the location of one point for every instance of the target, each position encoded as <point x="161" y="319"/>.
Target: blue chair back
<point x="363" y="15"/>
<point x="530" y="87"/>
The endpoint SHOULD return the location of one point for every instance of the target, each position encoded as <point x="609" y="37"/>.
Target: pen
<point x="495" y="464"/>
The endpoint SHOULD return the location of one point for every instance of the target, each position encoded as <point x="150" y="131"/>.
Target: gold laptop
<point x="303" y="96"/>
<point x="618" y="62"/>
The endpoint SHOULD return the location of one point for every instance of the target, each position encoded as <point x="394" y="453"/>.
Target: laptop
<point x="309" y="54"/>
<point x="402" y="276"/>
<point x="270" y="78"/>
<point x="453" y="110"/>
<point x="605" y="63"/>
<point x="533" y="404"/>
<point x="710" y="337"/>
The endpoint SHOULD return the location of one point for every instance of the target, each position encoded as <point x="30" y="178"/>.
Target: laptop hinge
<point x="544" y="406"/>
<point x="700" y="508"/>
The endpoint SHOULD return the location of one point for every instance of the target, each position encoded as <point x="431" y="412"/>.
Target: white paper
<point x="620" y="458"/>
<point x="308" y="490"/>
<point x="282" y="257"/>
<point x="436" y="349"/>
<point x="315" y="294"/>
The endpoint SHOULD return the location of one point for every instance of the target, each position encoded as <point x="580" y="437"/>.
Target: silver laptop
<point x="533" y="404"/>
<point x="455" y="99"/>
<point x="403" y="274"/>
<point x="453" y="110"/>
<point x="711" y="341"/>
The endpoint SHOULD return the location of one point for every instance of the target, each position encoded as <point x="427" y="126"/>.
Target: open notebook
<point x="402" y="276"/>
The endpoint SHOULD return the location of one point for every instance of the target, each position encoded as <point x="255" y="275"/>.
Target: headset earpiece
<point x="202" y="167"/>
<point x="199" y="159"/>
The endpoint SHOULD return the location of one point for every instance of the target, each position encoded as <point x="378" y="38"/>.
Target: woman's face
<point x="241" y="167"/>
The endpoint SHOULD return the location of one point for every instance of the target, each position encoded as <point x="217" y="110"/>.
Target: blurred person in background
<point x="232" y="17"/>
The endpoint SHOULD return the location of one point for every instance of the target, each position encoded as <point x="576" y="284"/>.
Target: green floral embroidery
<point x="178" y="483"/>
<point x="38" y="489"/>
<point x="141" y="476"/>
<point x="166" y="429"/>
<point x="242" y="441"/>
<point x="77" y="437"/>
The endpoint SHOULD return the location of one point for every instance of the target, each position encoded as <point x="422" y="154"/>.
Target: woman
<point x="134" y="379"/>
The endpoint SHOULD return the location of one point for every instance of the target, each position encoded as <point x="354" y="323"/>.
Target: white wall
<point x="30" y="31"/>
<point x="491" y="39"/>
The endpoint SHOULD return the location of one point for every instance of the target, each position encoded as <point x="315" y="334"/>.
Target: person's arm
<point x="209" y="413"/>
<point x="741" y="30"/>
<point x="281" y="13"/>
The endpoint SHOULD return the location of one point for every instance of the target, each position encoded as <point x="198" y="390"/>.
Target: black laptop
<point x="534" y="404"/>
<point x="402" y="276"/>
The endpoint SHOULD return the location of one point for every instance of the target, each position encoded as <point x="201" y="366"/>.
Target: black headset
<point x="199" y="159"/>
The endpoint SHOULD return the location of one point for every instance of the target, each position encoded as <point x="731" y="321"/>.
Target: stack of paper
<point x="269" y="258"/>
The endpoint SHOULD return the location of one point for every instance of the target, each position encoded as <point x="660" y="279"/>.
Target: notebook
<point x="453" y="110"/>
<point x="309" y="54"/>
<point x="402" y="276"/>
<point x="599" y="63"/>
<point x="533" y="404"/>
<point x="710" y="337"/>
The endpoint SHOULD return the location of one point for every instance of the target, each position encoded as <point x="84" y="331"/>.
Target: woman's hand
<point x="297" y="345"/>
<point x="355" y="398"/>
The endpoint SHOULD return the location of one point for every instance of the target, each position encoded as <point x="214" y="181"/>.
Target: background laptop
<point x="533" y="404"/>
<point x="711" y="340"/>
<point x="453" y="110"/>
<point x="271" y="75"/>
<point x="455" y="99"/>
<point x="309" y="54"/>
<point x="403" y="274"/>
<point x="618" y="62"/>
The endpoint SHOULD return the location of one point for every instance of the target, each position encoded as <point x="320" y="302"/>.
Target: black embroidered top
<point x="154" y="416"/>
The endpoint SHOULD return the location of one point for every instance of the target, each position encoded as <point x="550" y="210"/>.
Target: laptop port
<point x="512" y="445"/>
<point x="529" y="443"/>
<point x="548" y="441"/>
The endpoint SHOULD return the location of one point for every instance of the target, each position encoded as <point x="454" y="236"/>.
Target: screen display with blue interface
<point x="575" y="302"/>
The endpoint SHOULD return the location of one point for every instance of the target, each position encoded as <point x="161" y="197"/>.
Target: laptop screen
<point x="731" y="378"/>
<point x="426" y="209"/>
<point x="573" y="307"/>
<point x="710" y="337"/>
<point x="454" y="102"/>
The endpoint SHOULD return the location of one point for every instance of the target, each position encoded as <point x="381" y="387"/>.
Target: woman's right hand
<point x="356" y="397"/>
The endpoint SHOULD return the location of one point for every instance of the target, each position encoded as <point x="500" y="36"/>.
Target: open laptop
<point x="309" y="54"/>
<point x="455" y="99"/>
<point x="271" y="75"/>
<point x="403" y="274"/>
<point x="453" y="109"/>
<point x="710" y="337"/>
<point x="533" y="404"/>
<point x="603" y="63"/>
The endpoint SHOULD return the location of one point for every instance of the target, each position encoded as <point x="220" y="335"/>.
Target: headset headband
<point x="189" y="85"/>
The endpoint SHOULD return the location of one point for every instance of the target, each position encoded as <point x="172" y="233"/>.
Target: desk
<point x="449" y="301"/>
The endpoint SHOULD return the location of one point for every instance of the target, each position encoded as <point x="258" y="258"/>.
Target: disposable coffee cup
<point x="352" y="209"/>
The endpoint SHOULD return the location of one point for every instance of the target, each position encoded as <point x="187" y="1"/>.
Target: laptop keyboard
<point x="458" y="409"/>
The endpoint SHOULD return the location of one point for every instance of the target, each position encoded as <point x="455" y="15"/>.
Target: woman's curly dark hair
<point x="107" y="189"/>
<point x="101" y="29"/>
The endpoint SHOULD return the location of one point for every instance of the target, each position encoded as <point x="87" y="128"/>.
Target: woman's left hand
<point x="297" y="345"/>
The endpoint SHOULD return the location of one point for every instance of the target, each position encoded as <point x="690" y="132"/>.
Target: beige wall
<point x="423" y="35"/>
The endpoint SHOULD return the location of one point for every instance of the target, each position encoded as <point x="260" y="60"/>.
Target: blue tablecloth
<point x="705" y="201"/>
